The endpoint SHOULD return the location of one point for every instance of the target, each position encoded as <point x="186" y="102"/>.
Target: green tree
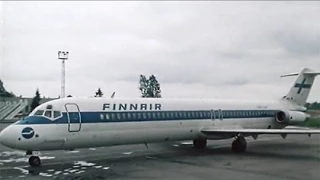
<point x="149" y="88"/>
<point x="4" y="92"/>
<point x="99" y="93"/>
<point x="312" y="106"/>
<point x="35" y="100"/>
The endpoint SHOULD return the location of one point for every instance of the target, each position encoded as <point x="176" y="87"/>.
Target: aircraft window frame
<point x="163" y="115"/>
<point x="107" y="116"/>
<point x="172" y="115"/>
<point x="168" y="115"/>
<point x="189" y="114"/>
<point x="176" y="114"/>
<point x="46" y="115"/>
<point x="55" y="117"/>
<point x="184" y="114"/>
<point x="39" y="113"/>
<point x="193" y="114"/>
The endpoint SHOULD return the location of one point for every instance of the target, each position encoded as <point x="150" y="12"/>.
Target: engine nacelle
<point x="291" y="117"/>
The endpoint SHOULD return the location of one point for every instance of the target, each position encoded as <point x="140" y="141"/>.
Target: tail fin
<point x="300" y="90"/>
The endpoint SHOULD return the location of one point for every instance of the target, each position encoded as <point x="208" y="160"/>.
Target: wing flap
<point x="259" y="131"/>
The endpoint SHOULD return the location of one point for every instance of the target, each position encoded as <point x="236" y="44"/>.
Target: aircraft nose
<point x="7" y="138"/>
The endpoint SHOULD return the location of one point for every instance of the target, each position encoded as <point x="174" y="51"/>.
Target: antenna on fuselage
<point x="112" y="96"/>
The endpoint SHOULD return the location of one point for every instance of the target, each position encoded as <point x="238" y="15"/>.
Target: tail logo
<point x="302" y="86"/>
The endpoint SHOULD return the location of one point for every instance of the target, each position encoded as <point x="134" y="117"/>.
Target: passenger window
<point x="48" y="114"/>
<point x="154" y="115"/>
<point x="149" y="116"/>
<point x="134" y="115"/>
<point x="180" y="115"/>
<point x="124" y="115"/>
<point x="129" y="115"/>
<point x="56" y="114"/>
<point x="144" y="115"/>
<point x="39" y="113"/>
<point x="113" y="116"/>
<point x="107" y="116"/>
<point x="159" y="115"/>
<point x="163" y="115"/>
<point x="172" y="115"/>
<point x="185" y="115"/>
<point x="118" y="116"/>
<point x="101" y="116"/>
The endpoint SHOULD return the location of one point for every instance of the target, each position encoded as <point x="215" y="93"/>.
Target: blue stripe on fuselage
<point x="147" y="116"/>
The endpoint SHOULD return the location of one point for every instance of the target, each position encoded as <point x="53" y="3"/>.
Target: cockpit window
<point x="48" y="114"/>
<point x="56" y="114"/>
<point x="39" y="113"/>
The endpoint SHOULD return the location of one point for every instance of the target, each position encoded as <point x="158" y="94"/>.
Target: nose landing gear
<point x="34" y="159"/>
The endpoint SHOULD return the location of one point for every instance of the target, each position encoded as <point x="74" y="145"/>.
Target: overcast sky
<point x="195" y="49"/>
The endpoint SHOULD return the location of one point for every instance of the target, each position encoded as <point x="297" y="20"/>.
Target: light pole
<point x="63" y="55"/>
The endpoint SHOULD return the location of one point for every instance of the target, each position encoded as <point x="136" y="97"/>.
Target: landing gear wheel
<point x="239" y="145"/>
<point x="34" y="161"/>
<point x="200" y="143"/>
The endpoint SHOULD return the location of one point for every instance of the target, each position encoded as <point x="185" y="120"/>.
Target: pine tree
<point x="36" y="100"/>
<point x="149" y="88"/>
<point x="99" y="93"/>
<point x="4" y="92"/>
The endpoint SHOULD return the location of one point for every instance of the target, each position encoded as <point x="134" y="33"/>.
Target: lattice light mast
<point x="63" y="56"/>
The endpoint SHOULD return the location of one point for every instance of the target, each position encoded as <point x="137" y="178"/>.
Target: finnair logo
<point x="27" y="132"/>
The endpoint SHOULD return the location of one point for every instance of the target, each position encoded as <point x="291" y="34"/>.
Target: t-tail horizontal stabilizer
<point x="300" y="90"/>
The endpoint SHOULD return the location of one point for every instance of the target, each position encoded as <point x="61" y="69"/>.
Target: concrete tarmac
<point x="270" y="157"/>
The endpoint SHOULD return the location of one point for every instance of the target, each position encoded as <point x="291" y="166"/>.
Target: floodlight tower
<point x="63" y="56"/>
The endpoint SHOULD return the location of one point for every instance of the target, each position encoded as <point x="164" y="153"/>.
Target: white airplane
<point x="74" y="123"/>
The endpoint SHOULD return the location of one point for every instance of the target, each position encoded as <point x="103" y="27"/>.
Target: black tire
<point x="34" y="161"/>
<point x="200" y="143"/>
<point x="239" y="145"/>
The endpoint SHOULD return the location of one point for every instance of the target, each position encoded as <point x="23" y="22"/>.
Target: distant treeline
<point x="312" y="106"/>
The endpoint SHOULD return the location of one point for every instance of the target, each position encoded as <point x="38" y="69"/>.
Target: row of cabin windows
<point x="184" y="114"/>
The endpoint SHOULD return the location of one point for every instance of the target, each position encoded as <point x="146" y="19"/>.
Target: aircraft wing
<point x="234" y="132"/>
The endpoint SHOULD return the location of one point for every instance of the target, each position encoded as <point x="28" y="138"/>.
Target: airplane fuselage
<point x="73" y="123"/>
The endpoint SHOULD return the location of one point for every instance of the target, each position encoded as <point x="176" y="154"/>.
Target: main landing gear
<point x="239" y="145"/>
<point x="200" y="143"/>
<point x="34" y="160"/>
